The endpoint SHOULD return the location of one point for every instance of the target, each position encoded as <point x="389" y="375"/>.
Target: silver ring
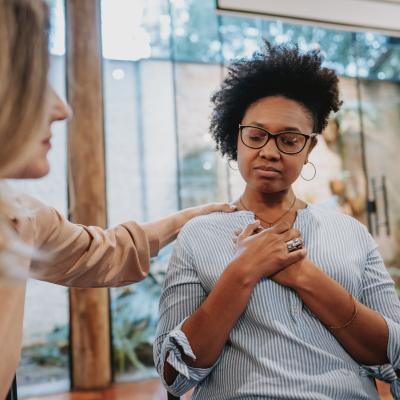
<point x="294" y="244"/>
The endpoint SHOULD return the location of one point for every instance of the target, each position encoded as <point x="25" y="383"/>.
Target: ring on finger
<point x="294" y="244"/>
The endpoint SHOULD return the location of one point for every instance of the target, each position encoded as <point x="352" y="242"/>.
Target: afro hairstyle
<point x="277" y="71"/>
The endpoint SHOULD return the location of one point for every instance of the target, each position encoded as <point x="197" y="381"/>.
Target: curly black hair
<point x="277" y="71"/>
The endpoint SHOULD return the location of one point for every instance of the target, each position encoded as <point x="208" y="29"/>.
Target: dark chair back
<point x="12" y="394"/>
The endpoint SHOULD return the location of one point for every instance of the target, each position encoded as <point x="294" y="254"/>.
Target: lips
<point x="267" y="169"/>
<point x="47" y="142"/>
<point x="267" y="172"/>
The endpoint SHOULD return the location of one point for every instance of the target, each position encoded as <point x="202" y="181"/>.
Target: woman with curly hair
<point x="301" y="305"/>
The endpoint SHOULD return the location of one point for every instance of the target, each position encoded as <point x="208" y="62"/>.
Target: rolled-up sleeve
<point x="182" y="295"/>
<point x="379" y="294"/>
<point x="88" y="256"/>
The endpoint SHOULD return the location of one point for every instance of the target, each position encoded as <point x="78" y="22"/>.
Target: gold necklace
<point x="269" y="224"/>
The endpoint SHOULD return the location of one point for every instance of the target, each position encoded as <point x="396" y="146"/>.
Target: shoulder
<point x="202" y="223"/>
<point x="216" y="220"/>
<point x="213" y="225"/>
<point x="28" y="215"/>
<point x="332" y="216"/>
<point x="336" y="222"/>
<point x="17" y="205"/>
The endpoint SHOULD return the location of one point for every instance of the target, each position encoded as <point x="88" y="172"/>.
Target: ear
<point x="313" y="143"/>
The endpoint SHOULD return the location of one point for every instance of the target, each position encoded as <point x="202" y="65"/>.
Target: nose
<point x="60" y="110"/>
<point x="270" y="151"/>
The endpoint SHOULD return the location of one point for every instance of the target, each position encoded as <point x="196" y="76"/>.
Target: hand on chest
<point x="337" y="258"/>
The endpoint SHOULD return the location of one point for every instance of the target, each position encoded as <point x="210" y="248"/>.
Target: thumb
<point x="249" y="230"/>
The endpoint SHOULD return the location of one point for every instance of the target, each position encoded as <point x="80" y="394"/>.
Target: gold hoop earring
<point x="230" y="165"/>
<point x="314" y="172"/>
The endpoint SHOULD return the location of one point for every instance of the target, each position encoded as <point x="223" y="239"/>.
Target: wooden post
<point x="90" y="336"/>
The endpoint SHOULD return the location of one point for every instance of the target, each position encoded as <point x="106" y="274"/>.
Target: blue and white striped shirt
<point x="278" y="349"/>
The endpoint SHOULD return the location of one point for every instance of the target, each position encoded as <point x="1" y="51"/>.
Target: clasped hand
<point x="264" y="253"/>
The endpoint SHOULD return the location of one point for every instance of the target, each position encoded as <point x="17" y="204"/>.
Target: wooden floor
<point x="144" y="390"/>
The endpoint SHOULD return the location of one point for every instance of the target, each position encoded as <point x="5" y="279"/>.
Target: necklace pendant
<point x="266" y="224"/>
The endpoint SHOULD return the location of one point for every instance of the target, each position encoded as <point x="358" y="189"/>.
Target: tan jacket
<point x="80" y="257"/>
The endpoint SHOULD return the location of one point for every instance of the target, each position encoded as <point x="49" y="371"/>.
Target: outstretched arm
<point x="89" y="256"/>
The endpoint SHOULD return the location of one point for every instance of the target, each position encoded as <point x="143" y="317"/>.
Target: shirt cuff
<point x="389" y="373"/>
<point x="384" y="373"/>
<point x="174" y="345"/>
<point x="393" y="348"/>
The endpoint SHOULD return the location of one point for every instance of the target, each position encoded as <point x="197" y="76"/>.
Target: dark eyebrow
<point x="285" y="129"/>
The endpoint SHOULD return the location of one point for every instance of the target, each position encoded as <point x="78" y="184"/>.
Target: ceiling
<point x="366" y="15"/>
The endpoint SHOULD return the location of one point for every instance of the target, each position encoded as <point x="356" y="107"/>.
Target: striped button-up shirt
<point x="278" y="349"/>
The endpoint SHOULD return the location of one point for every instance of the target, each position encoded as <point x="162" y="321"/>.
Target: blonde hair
<point x="24" y="64"/>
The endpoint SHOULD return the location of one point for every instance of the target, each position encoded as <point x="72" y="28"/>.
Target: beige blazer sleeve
<point x="86" y="256"/>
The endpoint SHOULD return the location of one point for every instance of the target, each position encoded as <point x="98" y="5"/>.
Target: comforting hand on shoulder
<point x="213" y="207"/>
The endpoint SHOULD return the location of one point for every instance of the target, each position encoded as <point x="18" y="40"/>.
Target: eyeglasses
<point x="287" y="142"/>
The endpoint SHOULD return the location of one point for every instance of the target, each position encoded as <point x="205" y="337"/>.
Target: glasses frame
<point x="274" y="136"/>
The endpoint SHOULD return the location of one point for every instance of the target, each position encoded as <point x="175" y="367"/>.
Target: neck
<point x="259" y="202"/>
<point x="270" y="208"/>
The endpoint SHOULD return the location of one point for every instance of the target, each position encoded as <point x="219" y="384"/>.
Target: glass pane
<point x="378" y="56"/>
<point x="133" y="30"/>
<point x="203" y="173"/>
<point x="195" y="34"/>
<point x="141" y="185"/>
<point x="141" y="158"/>
<point x="339" y="180"/>
<point x="44" y="366"/>
<point x="381" y="122"/>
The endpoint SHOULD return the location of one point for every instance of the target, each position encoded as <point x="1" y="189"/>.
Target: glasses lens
<point x="290" y="142"/>
<point x="254" y="137"/>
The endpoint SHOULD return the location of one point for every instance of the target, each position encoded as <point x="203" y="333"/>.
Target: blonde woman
<point x="76" y="255"/>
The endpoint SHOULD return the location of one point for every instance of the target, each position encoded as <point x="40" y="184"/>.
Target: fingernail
<point x="232" y="206"/>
